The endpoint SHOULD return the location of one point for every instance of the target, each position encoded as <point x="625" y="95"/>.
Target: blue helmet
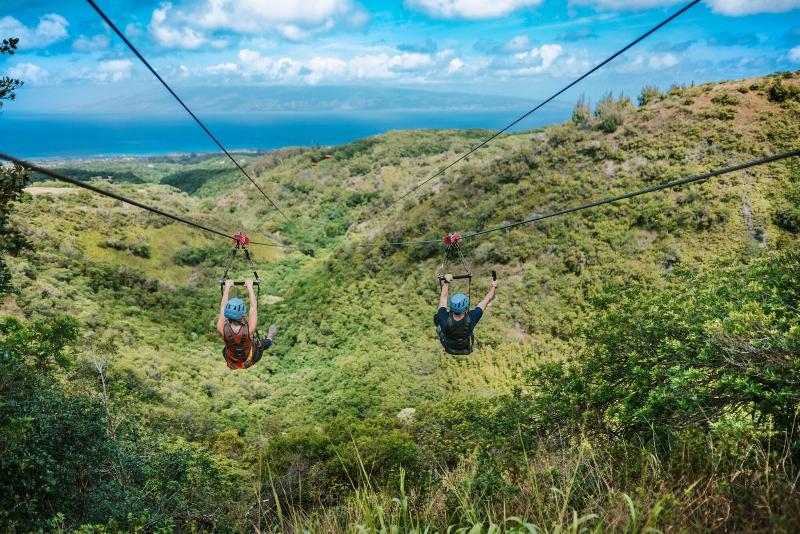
<point x="459" y="303"/>
<point x="234" y="309"/>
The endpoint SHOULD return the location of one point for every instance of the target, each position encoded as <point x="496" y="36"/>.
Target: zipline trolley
<point x="240" y="242"/>
<point x="453" y="250"/>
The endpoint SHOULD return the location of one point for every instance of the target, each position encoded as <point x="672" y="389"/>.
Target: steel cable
<point x="181" y="102"/>
<point x="554" y="96"/>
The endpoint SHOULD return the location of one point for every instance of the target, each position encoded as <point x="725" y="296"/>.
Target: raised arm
<point x="252" y="319"/>
<point x="489" y="297"/>
<point x="221" y="319"/>
<point x="445" y="287"/>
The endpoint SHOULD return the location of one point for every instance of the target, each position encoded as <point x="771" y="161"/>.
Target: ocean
<point x="45" y="136"/>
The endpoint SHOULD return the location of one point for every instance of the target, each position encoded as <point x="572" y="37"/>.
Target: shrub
<point x="191" y="181"/>
<point x="658" y="361"/>
<point x="194" y="256"/>
<point x="788" y="218"/>
<point x="610" y="112"/>
<point x="582" y="114"/>
<point x="724" y="99"/>
<point x="780" y="92"/>
<point x="649" y="94"/>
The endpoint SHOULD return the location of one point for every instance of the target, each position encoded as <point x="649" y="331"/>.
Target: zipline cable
<point x="174" y="94"/>
<point x="57" y="176"/>
<point x="608" y="200"/>
<point x="621" y="51"/>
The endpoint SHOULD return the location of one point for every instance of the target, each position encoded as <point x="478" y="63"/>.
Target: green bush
<point x="780" y="92"/>
<point x="194" y="256"/>
<point x="707" y="345"/>
<point x="649" y="94"/>
<point x="582" y="114"/>
<point x="724" y="99"/>
<point x="788" y="218"/>
<point x="191" y="181"/>
<point x="610" y="113"/>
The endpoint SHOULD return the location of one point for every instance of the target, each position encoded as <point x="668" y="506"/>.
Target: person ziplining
<point x="456" y="327"/>
<point x="243" y="346"/>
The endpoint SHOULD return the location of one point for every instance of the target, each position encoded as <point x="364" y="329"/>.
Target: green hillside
<point x="638" y="369"/>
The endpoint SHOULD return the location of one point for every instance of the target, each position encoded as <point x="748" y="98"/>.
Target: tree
<point x="8" y="86"/>
<point x="12" y="180"/>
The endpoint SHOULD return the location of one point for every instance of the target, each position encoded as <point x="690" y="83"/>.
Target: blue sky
<point x="522" y="48"/>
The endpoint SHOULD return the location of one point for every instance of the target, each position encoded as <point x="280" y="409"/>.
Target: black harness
<point x="455" y="335"/>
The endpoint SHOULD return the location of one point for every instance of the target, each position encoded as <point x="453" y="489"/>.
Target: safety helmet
<point x="459" y="303"/>
<point x="234" y="309"/>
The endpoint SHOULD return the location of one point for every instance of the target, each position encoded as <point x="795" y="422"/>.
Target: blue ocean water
<point x="43" y="136"/>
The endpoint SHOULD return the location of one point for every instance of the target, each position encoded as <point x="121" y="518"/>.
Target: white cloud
<point x="733" y="8"/>
<point x="91" y="44"/>
<point x="738" y="8"/>
<point x="662" y="61"/>
<point x="455" y="65"/>
<point x="29" y="73"/>
<point x="632" y="5"/>
<point x="114" y="70"/>
<point x="469" y="9"/>
<point x="794" y="54"/>
<point x="293" y="19"/>
<point x="132" y="30"/>
<point x="223" y="68"/>
<point x="50" y="29"/>
<point x="534" y="61"/>
<point x="379" y="64"/>
<point x="654" y="62"/>
<point x="171" y="36"/>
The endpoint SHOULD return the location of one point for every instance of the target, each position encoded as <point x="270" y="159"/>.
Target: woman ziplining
<point x="243" y="346"/>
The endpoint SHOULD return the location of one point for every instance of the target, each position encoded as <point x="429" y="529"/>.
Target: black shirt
<point x="475" y="315"/>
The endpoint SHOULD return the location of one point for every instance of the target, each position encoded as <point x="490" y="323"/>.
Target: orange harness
<point x="238" y="347"/>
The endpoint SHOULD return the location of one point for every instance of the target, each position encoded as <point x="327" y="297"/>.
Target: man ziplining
<point x="456" y="327"/>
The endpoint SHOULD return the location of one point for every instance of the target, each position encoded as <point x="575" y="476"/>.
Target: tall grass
<point x="574" y="485"/>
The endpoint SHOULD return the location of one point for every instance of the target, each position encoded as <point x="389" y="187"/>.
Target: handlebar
<point x="239" y="282"/>
<point x="459" y="277"/>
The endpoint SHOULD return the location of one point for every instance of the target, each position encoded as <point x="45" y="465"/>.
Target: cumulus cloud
<point x="173" y="36"/>
<point x="794" y="54"/>
<point x="91" y="44"/>
<point x="51" y="29"/>
<point x="469" y="9"/>
<point x="738" y="8"/>
<point x="377" y="65"/>
<point x="616" y="5"/>
<point x="531" y="62"/>
<point x="538" y="60"/>
<point x="223" y="68"/>
<point x="653" y="62"/>
<point x="29" y="73"/>
<point x="733" y="8"/>
<point x="114" y="70"/>
<point x="293" y="19"/>
<point x="455" y="65"/>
